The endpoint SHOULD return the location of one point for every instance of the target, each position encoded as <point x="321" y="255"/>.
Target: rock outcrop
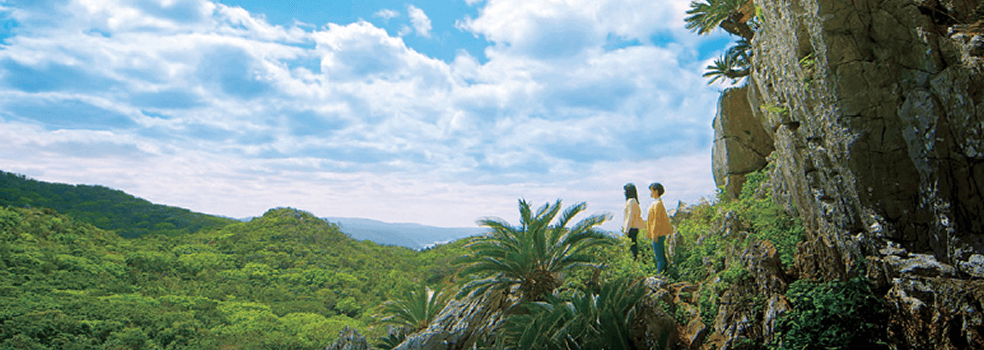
<point x="349" y="339"/>
<point x="747" y="308"/>
<point x="463" y="323"/>
<point x="882" y="128"/>
<point x="473" y="321"/>
<point x="876" y="109"/>
<point x="741" y="144"/>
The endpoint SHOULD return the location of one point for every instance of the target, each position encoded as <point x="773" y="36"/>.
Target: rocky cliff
<point x="876" y="113"/>
<point x="741" y="143"/>
<point x="871" y="113"/>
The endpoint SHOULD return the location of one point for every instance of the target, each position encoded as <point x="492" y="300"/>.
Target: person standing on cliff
<point x="658" y="225"/>
<point x="633" y="218"/>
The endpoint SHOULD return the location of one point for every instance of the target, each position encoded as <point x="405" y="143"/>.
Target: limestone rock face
<point x="934" y="313"/>
<point x="741" y="143"/>
<point x="349" y="339"/>
<point x="462" y="324"/>
<point x="740" y="318"/>
<point x="653" y="327"/>
<point x="876" y="109"/>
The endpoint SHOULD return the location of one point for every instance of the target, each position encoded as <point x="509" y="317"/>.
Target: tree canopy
<point x="286" y="280"/>
<point x="104" y="207"/>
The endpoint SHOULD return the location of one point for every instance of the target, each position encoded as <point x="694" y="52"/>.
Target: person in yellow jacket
<point x="633" y="218"/>
<point x="658" y="225"/>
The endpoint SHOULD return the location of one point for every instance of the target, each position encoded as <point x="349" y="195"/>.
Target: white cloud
<point x="386" y="14"/>
<point x="347" y="120"/>
<point x="544" y="29"/>
<point x="421" y="23"/>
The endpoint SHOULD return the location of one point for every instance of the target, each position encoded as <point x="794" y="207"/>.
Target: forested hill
<point x="286" y="280"/>
<point x="104" y="207"/>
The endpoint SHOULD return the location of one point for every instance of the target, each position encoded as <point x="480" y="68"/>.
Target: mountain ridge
<point x="104" y="207"/>
<point x="410" y="235"/>
<point x="131" y="216"/>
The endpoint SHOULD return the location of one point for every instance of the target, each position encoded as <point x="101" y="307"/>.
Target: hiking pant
<point x="659" y="249"/>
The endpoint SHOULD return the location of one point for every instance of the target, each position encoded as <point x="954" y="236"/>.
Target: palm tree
<point x="533" y="255"/>
<point x="392" y="339"/>
<point x="599" y="319"/>
<point x="734" y="16"/>
<point x="734" y="64"/>
<point x="416" y="310"/>
<point x="731" y="15"/>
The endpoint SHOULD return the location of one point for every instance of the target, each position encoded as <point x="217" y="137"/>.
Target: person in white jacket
<point x="633" y="218"/>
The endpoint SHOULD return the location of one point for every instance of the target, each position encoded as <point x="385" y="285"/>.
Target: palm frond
<point x="731" y="15"/>
<point x="391" y="340"/>
<point x="534" y="252"/>
<point x="707" y="15"/>
<point x="599" y="319"/>
<point x="416" y="309"/>
<point x="734" y="64"/>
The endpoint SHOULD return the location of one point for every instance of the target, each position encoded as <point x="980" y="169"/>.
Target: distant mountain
<point x="413" y="236"/>
<point x="130" y="217"/>
<point x="104" y="207"/>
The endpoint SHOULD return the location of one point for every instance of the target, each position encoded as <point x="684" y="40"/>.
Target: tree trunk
<point x="735" y="26"/>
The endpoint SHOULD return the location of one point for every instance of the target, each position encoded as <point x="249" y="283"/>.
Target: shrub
<point x="700" y="248"/>
<point x="768" y="220"/>
<point x="831" y="315"/>
<point x="590" y="319"/>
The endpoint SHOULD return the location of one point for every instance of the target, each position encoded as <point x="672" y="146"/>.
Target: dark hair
<point x="630" y="191"/>
<point x="658" y="187"/>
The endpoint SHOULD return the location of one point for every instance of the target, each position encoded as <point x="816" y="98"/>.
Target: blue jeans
<point x="658" y="248"/>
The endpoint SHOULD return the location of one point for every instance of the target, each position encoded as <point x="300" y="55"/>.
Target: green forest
<point x="104" y="208"/>
<point x="286" y="280"/>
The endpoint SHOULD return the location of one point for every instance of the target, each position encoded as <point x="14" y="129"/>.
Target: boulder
<point x="463" y="323"/>
<point x="741" y="144"/>
<point x="349" y="339"/>
<point x="653" y="327"/>
<point x="974" y="266"/>
<point x="937" y="313"/>
<point x="741" y="319"/>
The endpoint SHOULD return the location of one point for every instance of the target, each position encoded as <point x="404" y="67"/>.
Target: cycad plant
<point x="415" y="310"/>
<point x="393" y="339"/>
<point x="731" y="15"/>
<point x="600" y="319"/>
<point x="409" y="314"/>
<point x="533" y="255"/>
<point x="734" y="16"/>
<point x="733" y="65"/>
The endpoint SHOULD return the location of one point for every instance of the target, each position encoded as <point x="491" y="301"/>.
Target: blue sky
<point x="433" y="112"/>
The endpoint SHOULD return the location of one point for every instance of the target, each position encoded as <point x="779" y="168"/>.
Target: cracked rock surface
<point x="880" y="149"/>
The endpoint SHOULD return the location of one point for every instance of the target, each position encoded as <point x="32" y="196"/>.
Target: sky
<point x="432" y="112"/>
